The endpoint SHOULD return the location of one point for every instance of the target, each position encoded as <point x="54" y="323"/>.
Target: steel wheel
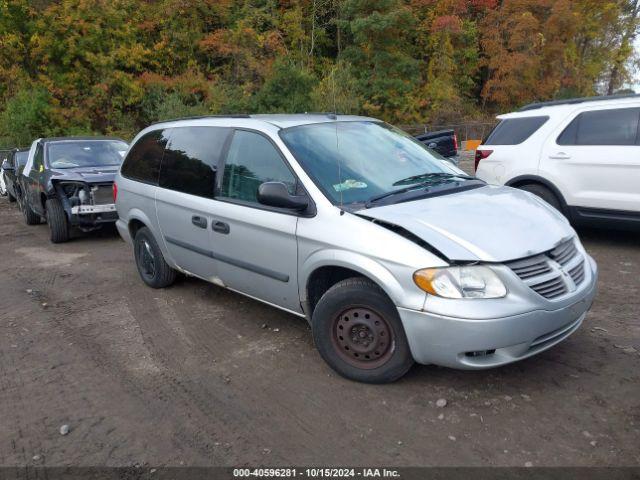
<point x="363" y="338"/>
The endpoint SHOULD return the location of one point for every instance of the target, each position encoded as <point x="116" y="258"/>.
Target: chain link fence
<point x="464" y="131"/>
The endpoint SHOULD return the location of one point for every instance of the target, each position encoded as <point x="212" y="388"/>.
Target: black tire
<point x="544" y="193"/>
<point x="30" y="217"/>
<point x="57" y="221"/>
<point x="12" y="199"/>
<point x="151" y="264"/>
<point x="360" y="308"/>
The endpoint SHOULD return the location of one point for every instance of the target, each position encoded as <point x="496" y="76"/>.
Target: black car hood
<point x="105" y="174"/>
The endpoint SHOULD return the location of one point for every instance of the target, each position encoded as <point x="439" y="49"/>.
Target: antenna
<point x="335" y="119"/>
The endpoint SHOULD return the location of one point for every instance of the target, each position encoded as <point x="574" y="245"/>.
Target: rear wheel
<point x="153" y="268"/>
<point x="30" y="217"/>
<point x="57" y="221"/>
<point x="358" y="332"/>
<point x="544" y="193"/>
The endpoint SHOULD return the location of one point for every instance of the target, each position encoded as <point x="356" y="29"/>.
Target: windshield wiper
<point x="414" y="186"/>
<point x="432" y="176"/>
<point x="417" y="185"/>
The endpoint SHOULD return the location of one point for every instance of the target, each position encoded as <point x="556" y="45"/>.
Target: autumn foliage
<point x="114" y="66"/>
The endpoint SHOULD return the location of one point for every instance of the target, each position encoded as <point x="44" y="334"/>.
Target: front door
<point x="255" y="246"/>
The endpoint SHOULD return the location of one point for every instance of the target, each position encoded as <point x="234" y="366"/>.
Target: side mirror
<point x="275" y="194"/>
<point x="6" y="166"/>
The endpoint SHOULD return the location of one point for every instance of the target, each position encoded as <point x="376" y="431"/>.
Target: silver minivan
<point x="390" y="252"/>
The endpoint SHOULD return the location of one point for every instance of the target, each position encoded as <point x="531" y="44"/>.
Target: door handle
<point x="220" y="227"/>
<point x="560" y="156"/>
<point x="199" y="222"/>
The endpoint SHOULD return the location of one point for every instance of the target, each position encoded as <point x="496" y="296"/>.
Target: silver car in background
<point x="390" y="252"/>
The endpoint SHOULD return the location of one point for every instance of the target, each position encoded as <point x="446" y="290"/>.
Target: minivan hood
<point x="489" y="224"/>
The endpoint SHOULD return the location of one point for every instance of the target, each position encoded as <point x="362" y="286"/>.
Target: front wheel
<point x="57" y="221"/>
<point x="153" y="268"/>
<point x="358" y="332"/>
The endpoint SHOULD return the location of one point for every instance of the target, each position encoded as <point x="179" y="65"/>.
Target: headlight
<point x="474" y="281"/>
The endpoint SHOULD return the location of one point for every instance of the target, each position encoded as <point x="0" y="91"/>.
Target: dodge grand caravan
<point x="392" y="254"/>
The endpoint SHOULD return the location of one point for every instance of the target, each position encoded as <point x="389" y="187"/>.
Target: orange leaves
<point x="220" y="42"/>
<point x="449" y="23"/>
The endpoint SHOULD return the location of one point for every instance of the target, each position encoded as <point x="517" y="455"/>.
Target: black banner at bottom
<point x="319" y="473"/>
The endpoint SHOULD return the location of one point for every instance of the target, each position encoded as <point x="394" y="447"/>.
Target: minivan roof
<point x="282" y="120"/>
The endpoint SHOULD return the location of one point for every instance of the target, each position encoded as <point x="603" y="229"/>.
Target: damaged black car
<point x="68" y="182"/>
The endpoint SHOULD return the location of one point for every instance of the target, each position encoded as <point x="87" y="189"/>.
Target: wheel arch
<point x="137" y="219"/>
<point x="324" y="269"/>
<point x="521" y="180"/>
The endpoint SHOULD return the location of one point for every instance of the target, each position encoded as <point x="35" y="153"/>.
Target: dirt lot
<point x="188" y="376"/>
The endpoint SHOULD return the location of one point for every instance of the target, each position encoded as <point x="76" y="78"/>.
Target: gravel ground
<point x="188" y="376"/>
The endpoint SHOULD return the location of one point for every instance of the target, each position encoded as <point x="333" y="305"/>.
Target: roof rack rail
<point x="571" y="101"/>
<point x="198" y="117"/>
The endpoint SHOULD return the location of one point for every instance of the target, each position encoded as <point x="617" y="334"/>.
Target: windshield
<point x="86" y="153"/>
<point x="353" y="162"/>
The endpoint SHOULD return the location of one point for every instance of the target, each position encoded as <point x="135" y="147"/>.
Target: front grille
<point x="527" y="270"/>
<point x="548" y="273"/>
<point x="102" y="194"/>
<point x="564" y="252"/>
<point x="551" y="288"/>
<point x="577" y="273"/>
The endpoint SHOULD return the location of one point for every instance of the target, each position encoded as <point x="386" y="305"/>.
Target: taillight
<point x="455" y="142"/>
<point x="115" y="192"/>
<point x="481" y="154"/>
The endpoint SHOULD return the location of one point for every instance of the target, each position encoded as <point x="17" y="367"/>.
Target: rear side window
<point x="143" y="161"/>
<point x="191" y="159"/>
<point x="514" y="131"/>
<point x="603" y="127"/>
<point x="20" y="159"/>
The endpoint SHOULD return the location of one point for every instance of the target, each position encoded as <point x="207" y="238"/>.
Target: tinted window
<point x="251" y="161"/>
<point x="602" y="127"/>
<point x="515" y="130"/>
<point x="191" y="158"/>
<point x="85" y="153"/>
<point x="143" y="161"/>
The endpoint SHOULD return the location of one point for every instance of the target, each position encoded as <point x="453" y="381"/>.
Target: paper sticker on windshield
<point x="348" y="185"/>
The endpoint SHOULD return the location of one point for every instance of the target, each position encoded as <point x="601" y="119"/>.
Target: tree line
<point x="114" y="66"/>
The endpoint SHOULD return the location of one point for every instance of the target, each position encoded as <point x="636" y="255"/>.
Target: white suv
<point x="582" y="156"/>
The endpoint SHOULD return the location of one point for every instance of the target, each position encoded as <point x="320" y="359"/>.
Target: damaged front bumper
<point x="92" y="209"/>
<point x="87" y="206"/>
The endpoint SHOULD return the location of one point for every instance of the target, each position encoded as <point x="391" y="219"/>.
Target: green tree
<point x="27" y="115"/>
<point x="287" y="89"/>
<point x="378" y="45"/>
